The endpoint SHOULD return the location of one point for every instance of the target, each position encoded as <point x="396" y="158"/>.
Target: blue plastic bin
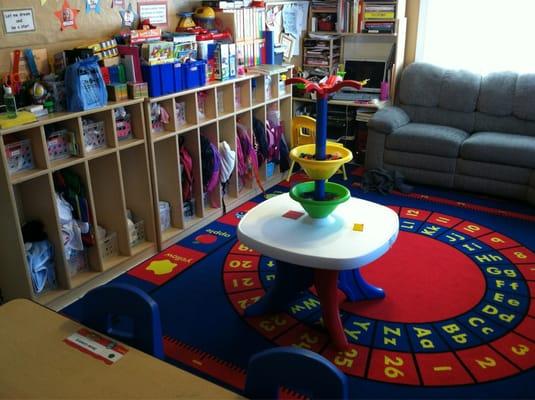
<point x="194" y="74"/>
<point x="151" y="75"/>
<point x="167" y="78"/>
<point x="177" y="75"/>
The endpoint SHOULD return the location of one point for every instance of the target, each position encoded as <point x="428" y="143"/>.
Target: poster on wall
<point x="128" y="17"/>
<point x="67" y="16"/>
<point x="154" y="11"/>
<point x="92" y="5"/>
<point x="20" y="20"/>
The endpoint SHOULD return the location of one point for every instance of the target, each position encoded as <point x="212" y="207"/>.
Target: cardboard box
<point x="137" y="90"/>
<point x="117" y="92"/>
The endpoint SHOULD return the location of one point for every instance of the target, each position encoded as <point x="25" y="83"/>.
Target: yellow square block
<point x="358" y="227"/>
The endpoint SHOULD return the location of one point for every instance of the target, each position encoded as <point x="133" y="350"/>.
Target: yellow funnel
<point x="317" y="169"/>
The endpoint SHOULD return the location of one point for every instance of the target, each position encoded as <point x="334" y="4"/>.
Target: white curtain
<point x="478" y="35"/>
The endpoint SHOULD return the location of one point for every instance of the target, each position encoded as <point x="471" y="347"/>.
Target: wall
<point x="92" y="27"/>
<point x="96" y="27"/>
<point x="412" y="10"/>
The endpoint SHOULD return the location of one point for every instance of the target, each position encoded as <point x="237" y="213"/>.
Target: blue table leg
<point x="356" y="288"/>
<point x="290" y="280"/>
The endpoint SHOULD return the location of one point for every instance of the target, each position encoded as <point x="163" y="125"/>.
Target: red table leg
<point x="326" y="282"/>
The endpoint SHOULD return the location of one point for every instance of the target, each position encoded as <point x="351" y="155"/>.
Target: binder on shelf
<point x="269" y="46"/>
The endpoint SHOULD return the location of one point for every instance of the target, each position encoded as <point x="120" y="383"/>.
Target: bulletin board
<point x="92" y="26"/>
<point x="288" y="19"/>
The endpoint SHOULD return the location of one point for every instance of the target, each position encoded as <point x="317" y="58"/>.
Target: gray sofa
<point x="459" y="130"/>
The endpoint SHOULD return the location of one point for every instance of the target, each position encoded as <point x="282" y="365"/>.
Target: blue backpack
<point x="84" y="86"/>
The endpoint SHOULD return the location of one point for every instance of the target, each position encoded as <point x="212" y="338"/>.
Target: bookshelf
<point x="125" y="178"/>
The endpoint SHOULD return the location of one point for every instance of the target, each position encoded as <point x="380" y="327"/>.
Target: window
<point x="478" y="35"/>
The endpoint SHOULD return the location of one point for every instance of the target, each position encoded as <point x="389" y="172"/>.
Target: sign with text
<point x="154" y="11"/>
<point x="20" y="20"/>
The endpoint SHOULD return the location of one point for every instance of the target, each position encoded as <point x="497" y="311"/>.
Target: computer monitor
<point x="359" y="70"/>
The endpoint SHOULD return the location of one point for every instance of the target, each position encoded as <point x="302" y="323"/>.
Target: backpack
<point x="84" y="85"/>
<point x="186" y="164"/>
<point x="211" y="165"/>
<point x="247" y="159"/>
<point x="261" y="143"/>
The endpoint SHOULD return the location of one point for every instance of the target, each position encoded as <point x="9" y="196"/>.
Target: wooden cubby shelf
<point x="128" y="163"/>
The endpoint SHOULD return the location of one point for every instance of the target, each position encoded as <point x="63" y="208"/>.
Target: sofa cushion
<point x="523" y="102"/>
<point x="420" y="84"/>
<point x="437" y="140"/>
<point x="501" y="148"/>
<point x="497" y="93"/>
<point x="439" y="116"/>
<point x="508" y="124"/>
<point x="459" y="91"/>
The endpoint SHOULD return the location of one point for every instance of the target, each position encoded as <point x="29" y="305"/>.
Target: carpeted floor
<point x="458" y="319"/>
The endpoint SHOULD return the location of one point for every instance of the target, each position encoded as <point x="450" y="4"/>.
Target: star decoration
<point x="67" y="16"/>
<point x="129" y="17"/>
<point x="92" y="5"/>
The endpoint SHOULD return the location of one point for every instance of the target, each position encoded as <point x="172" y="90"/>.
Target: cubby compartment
<point x="129" y="124"/>
<point x="259" y="129"/>
<point x="286" y="112"/>
<point x="242" y="95"/>
<point x="162" y="117"/>
<point x="186" y="112"/>
<point x="258" y="91"/>
<point x="44" y="261"/>
<point x="206" y="105"/>
<point x="225" y="100"/>
<point x="98" y="131"/>
<point x="192" y="210"/>
<point x="109" y="204"/>
<point x="227" y="133"/>
<point x="63" y="142"/>
<point x="75" y="208"/>
<point x="167" y="181"/>
<point x="245" y="178"/>
<point x="271" y="86"/>
<point x="135" y="178"/>
<point x="284" y="90"/>
<point x="24" y="153"/>
<point x="210" y="175"/>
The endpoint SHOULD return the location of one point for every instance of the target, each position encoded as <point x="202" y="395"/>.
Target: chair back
<point x="299" y="135"/>
<point x="297" y="369"/>
<point x="125" y="313"/>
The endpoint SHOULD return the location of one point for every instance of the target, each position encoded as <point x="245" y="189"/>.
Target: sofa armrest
<point x="388" y="119"/>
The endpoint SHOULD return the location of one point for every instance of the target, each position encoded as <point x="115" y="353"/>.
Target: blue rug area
<point x="458" y="320"/>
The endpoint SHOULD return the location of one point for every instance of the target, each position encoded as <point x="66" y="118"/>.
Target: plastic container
<point x="165" y="215"/>
<point x="19" y="156"/>
<point x="167" y="80"/>
<point x="10" y="103"/>
<point x="151" y="75"/>
<point x="108" y="245"/>
<point x="76" y="262"/>
<point x="94" y="135"/>
<point x="137" y="233"/>
<point x="61" y="144"/>
<point x="177" y="76"/>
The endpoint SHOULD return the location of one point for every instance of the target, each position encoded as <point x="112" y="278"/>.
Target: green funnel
<point x="335" y="194"/>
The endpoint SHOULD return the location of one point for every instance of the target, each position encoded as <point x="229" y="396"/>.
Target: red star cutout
<point x="67" y="16"/>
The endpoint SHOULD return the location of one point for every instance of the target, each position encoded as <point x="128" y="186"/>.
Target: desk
<point x="346" y="122"/>
<point x="311" y="250"/>
<point x="36" y="363"/>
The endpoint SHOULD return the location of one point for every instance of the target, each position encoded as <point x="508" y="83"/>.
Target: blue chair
<point x="125" y="313"/>
<point x="297" y="369"/>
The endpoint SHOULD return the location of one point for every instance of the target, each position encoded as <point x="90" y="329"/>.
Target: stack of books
<point x="378" y="17"/>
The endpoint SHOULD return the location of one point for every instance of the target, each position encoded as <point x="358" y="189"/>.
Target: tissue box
<point x="137" y="90"/>
<point x="117" y="92"/>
